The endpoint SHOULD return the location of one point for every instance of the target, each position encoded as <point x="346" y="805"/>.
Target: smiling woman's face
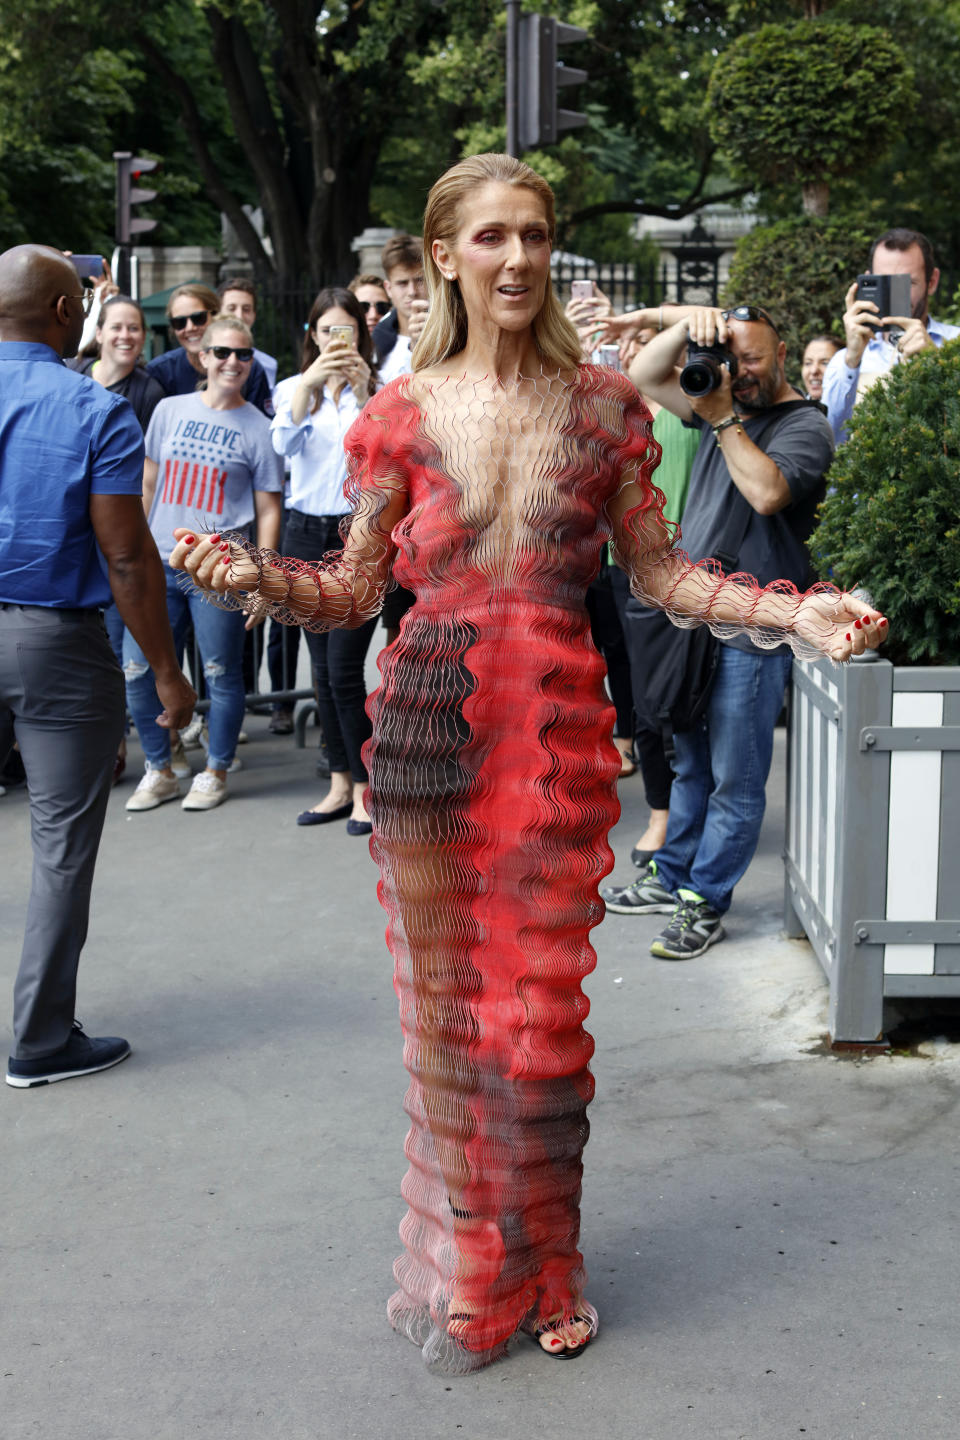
<point x="500" y="256"/>
<point x="120" y="336"/>
<point x="191" y="336"/>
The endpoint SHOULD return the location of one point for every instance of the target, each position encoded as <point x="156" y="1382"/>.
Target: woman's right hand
<point x="212" y="563"/>
<point x="334" y="361"/>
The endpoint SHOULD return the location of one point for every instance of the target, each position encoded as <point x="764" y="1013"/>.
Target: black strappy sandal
<point x="545" y="1328"/>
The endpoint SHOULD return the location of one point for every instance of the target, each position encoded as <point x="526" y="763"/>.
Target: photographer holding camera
<point x="754" y="488"/>
<point x="877" y="341"/>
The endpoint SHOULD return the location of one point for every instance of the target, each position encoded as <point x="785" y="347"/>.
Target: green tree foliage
<point x="808" y="101"/>
<point x="800" y="270"/>
<point x="890" y="519"/>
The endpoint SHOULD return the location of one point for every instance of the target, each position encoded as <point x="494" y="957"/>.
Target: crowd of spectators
<point x="223" y="438"/>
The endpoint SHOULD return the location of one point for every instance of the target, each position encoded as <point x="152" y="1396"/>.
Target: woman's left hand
<point x="840" y="625"/>
<point x="358" y="374"/>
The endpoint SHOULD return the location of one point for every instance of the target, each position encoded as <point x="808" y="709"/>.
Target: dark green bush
<point x="808" y="101"/>
<point x="891" y="519"/>
<point x="800" y="269"/>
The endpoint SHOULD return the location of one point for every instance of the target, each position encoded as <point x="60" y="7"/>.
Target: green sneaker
<point x="695" y="926"/>
<point x="645" y="896"/>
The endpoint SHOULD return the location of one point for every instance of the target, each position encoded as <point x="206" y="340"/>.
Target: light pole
<point x="513" y="34"/>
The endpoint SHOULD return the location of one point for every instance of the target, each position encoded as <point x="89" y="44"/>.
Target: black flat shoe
<point x="323" y="817"/>
<point x="641" y="857"/>
<point x="359" y="827"/>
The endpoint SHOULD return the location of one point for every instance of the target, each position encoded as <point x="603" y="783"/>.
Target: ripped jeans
<point x="220" y="635"/>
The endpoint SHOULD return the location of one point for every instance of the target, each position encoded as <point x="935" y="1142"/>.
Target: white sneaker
<point x="204" y="741"/>
<point x="190" y="737"/>
<point x="154" y="789"/>
<point x="179" y="763"/>
<point x="206" y="792"/>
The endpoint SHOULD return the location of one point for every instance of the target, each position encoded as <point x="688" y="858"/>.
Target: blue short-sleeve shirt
<point x="63" y="438"/>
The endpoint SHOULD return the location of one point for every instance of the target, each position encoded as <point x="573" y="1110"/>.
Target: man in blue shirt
<point x="72" y="530"/>
<point x="869" y="353"/>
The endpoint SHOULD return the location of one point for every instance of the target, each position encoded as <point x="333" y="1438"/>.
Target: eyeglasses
<point x="86" y="298"/>
<point x="750" y="312"/>
<point x="382" y="307"/>
<point x="223" y="352"/>
<point x="180" y="322"/>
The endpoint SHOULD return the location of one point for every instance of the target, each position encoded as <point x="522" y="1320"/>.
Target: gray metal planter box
<point x="872" y="853"/>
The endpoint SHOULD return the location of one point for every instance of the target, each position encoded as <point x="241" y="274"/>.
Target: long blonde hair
<point x="445" y="332"/>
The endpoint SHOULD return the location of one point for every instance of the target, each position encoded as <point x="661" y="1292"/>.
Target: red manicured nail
<point x="226" y="561"/>
<point x="881" y="621"/>
<point x="189" y="540"/>
<point x="214" y="539"/>
<point x="857" y="625"/>
<point x="866" y="619"/>
<point x="225" y="548"/>
<point x="849" y="636"/>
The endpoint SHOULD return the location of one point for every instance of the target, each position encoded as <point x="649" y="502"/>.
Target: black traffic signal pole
<point x="129" y="168"/>
<point x="535" y="74"/>
<point x="513" y="108"/>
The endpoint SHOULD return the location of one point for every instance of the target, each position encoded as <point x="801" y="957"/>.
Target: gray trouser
<point x="61" y="680"/>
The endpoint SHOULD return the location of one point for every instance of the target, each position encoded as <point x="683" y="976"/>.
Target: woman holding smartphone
<point x="315" y="409"/>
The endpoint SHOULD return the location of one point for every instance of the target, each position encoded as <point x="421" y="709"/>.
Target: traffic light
<point x="129" y="169"/>
<point x="541" y="75"/>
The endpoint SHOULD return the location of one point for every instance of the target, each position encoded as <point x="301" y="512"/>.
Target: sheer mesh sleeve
<point x="647" y="546"/>
<point x="345" y="587"/>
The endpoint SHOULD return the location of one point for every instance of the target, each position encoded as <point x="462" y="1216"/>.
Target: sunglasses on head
<point x="180" y="322"/>
<point x="750" y="312"/>
<point x="223" y="352"/>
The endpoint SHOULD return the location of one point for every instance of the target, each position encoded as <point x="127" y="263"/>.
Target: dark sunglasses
<point x="750" y="312"/>
<point x="180" y="322"/>
<point x="223" y="352"/>
<point x="382" y="307"/>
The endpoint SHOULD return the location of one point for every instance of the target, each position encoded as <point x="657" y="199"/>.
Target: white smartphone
<point x="581" y="289"/>
<point x="342" y="332"/>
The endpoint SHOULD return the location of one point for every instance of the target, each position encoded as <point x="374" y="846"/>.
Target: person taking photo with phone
<point x="869" y="352"/>
<point x="315" y="409"/>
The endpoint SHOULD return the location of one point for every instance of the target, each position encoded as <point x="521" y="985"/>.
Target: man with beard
<point x="869" y="352"/>
<point x="758" y="473"/>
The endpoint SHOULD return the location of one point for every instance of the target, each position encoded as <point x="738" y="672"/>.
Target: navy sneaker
<point x="80" y="1056"/>
<point x="645" y="896"/>
<point x="695" y="926"/>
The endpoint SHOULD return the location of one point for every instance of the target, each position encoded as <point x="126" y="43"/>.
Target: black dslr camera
<point x="702" y="372"/>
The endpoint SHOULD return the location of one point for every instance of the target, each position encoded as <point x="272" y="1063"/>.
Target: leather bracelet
<point x="725" y="425"/>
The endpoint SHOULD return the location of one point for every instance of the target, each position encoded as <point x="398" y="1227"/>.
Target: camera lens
<point x="698" y="377"/>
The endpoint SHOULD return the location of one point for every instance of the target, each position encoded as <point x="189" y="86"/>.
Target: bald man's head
<point x="40" y="298"/>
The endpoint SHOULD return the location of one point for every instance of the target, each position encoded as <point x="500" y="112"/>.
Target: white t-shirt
<point x="398" y="361"/>
<point x="209" y="464"/>
<point x="314" y="448"/>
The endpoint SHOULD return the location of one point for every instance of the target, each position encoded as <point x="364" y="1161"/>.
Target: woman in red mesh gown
<point x="489" y="482"/>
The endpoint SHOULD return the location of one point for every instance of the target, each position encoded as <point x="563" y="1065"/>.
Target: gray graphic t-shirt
<point x="209" y="463"/>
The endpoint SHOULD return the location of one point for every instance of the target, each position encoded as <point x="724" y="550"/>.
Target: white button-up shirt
<point x="314" y="448"/>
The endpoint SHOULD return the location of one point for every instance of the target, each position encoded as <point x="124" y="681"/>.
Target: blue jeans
<point x="719" y="793"/>
<point x="220" y="635"/>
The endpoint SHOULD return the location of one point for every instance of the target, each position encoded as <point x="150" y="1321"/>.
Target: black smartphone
<point x="890" y="293"/>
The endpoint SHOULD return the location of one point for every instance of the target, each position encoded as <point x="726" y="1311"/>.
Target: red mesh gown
<point x="492" y="775"/>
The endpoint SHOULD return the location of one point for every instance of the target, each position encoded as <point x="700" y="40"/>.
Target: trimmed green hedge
<point x="891" y="519"/>
<point x="800" y="270"/>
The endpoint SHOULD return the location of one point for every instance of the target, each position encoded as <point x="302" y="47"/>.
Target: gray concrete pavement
<point x="199" y="1241"/>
